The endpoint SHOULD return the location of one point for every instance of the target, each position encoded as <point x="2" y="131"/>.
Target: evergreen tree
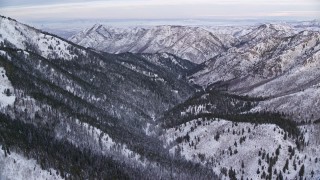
<point x="280" y="176"/>
<point x="286" y="166"/>
<point x="301" y="171"/>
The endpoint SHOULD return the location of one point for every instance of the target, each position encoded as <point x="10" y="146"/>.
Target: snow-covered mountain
<point x="20" y="36"/>
<point x="276" y="65"/>
<point x="83" y="114"/>
<point x="192" y="43"/>
<point x="253" y="60"/>
<point x="174" y="102"/>
<point x="274" y="62"/>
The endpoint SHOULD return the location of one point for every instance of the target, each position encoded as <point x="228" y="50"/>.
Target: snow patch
<point x="17" y="167"/>
<point x="6" y="90"/>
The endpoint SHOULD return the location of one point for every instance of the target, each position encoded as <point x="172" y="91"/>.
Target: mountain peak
<point x="95" y="27"/>
<point x="276" y="26"/>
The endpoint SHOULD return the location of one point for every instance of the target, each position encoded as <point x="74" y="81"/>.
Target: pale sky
<point x="33" y="10"/>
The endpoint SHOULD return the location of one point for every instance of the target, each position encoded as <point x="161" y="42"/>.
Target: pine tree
<point x="217" y="136"/>
<point x="232" y="174"/>
<point x="263" y="175"/>
<point x="280" y="176"/>
<point x="7" y="92"/>
<point x="278" y="150"/>
<point x="285" y="136"/>
<point x="286" y="166"/>
<point x="301" y="171"/>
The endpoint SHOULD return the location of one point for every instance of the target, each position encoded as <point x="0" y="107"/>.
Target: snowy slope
<point x="243" y="143"/>
<point x="264" y="60"/>
<point x="17" y="167"/>
<point x="303" y="105"/>
<point x="20" y="36"/>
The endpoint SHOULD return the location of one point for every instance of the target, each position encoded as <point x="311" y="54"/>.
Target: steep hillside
<point x="92" y="107"/>
<point x="215" y="104"/>
<point x="224" y="131"/>
<point x="244" y="150"/>
<point x="76" y="69"/>
<point x="271" y="61"/>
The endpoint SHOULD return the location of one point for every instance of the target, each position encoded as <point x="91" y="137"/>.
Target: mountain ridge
<point x="192" y="43"/>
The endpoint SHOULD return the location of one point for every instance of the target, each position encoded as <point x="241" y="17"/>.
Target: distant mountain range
<point x="194" y="43"/>
<point x="190" y="43"/>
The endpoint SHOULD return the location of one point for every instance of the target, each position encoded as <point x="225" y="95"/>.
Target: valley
<point x="161" y="102"/>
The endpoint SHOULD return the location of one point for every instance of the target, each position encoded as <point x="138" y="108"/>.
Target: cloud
<point x="39" y="3"/>
<point x="148" y="9"/>
<point x="295" y="13"/>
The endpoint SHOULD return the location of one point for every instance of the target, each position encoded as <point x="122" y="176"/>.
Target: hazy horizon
<point x="59" y="10"/>
<point x="79" y="14"/>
